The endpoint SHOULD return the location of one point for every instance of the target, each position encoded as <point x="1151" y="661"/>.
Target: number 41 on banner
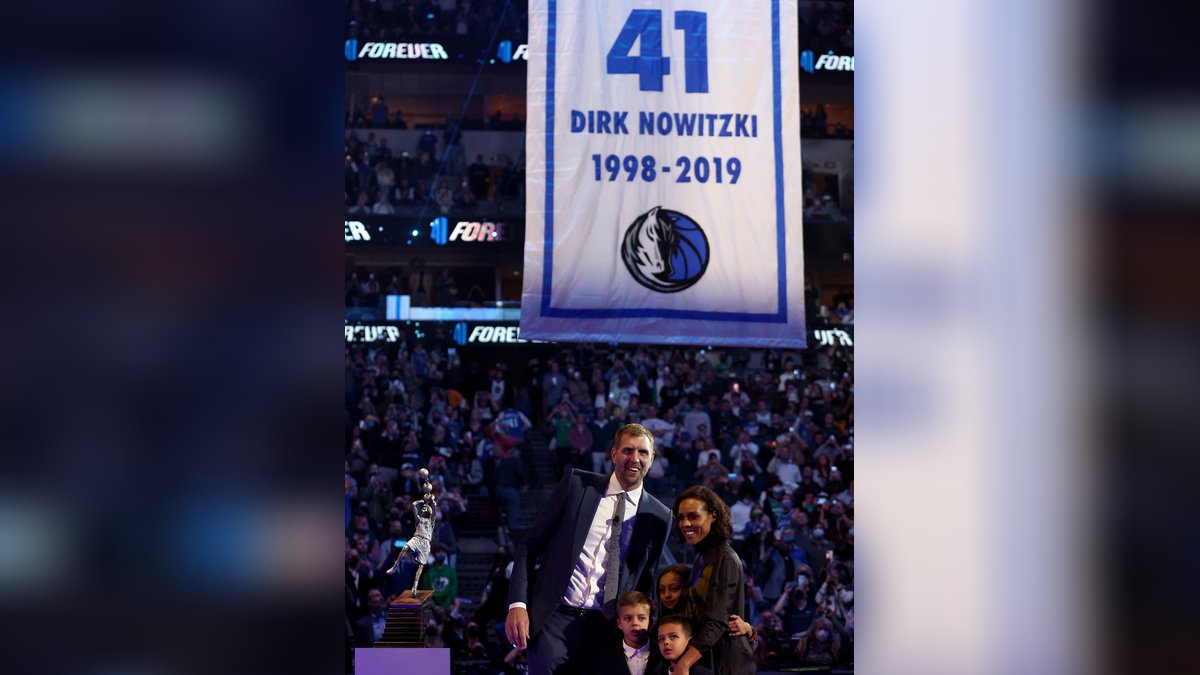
<point x="651" y="66"/>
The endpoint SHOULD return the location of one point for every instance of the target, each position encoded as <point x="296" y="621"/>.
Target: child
<point x="634" y="655"/>
<point x="675" y="594"/>
<point x="674" y="634"/>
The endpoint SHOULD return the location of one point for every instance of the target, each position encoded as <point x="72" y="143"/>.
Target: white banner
<point x="664" y="200"/>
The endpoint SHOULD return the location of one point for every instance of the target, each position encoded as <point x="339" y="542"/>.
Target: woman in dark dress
<point x="718" y="580"/>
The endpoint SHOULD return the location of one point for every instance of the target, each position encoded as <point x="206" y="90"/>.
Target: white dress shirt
<point x="636" y="659"/>
<point x="586" y="587"/>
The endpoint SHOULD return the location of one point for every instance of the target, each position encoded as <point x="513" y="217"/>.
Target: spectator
<point x="740" y="516"/>
<point x="827" y="210"/>
<point x="385" y="178"/>
<point x="581" y="440"/>
<point x="760" y="537"/>
<point x="427" y="145"/>
<point x="383" y="207"/>
<point x="510" y="483"/>
<point x="784" y="467"/>
<point x="743" y="449"/>
<point x="604" y="431"/>
<point x="694" y="417"/>
<point x="820" y="645"/>
<point x="361" y="206"/>
<point x="478" y="176"/>
<point x="713" y="473"/>
<point x="794" y="607"/>
<point x="441" y="578"/>
<point x="383" y="153"/>
<point x="493" y="604"/>
<point x="464" y="197"/>
<point x="379" y="112"/>
<point x="553" y="385"/>
<point x="369" y="629"/>
<point x="406" y="194"/>
<point x="445" y="196"/>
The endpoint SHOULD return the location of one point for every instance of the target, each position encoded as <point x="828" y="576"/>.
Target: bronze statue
<point x="421" y="541"/>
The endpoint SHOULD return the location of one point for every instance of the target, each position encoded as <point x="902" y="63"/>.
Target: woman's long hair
<point x="722" y="527"/>
<point x="689" y="605"/>
<point x="835" y="639"/>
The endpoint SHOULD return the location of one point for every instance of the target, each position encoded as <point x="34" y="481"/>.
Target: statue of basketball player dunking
<point x="419" y="545"/>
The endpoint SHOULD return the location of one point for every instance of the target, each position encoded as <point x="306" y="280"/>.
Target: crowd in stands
<point x="384" y="20"/>
<point x="382" y="180"/>
<point x="823" y="25"/>
<point x="375" y="113"/>
<point x="771" y="432"/>
<point x="827" y="26"/>
<point x="425" y="286"/>
<point x="814" y="125"/>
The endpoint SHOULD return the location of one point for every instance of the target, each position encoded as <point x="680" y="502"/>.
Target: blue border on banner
<point x="780" y="316"/>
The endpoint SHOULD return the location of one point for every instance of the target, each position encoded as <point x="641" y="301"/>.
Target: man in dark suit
<point x="563" y="594"/>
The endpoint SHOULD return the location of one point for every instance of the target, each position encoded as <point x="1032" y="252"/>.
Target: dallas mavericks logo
<point x="665" y="251"/>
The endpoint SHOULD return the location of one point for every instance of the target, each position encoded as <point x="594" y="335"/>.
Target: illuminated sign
<point x="372" y="334"/>
<point x="427" y="51"/>
<point x="507" y="54"/>
<point x="496" y="334"/>
<point x="835" y="336"/>
<point x="827" y="61"/>
<point x="474" y="231"/>
<point x="448" y="48"/>
<point x="399" y="308"/>
<point x="462" y="333"/>
<point x="466" y="230"/>
<point x="356" y="231"/>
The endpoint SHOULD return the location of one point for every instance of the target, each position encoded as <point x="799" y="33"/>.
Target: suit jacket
<point x="611" y="660"/>
<point x="726" y="655"/>
<point x="664" y="668"/>
<point x="544" y="560"/>
<point x="364" y="632"/>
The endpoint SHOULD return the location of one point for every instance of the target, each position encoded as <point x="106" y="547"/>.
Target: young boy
<point x="634" y="656"/>
<point x="674" y="634"/>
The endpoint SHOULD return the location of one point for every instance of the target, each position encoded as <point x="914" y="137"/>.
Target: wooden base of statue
<point x="407" y="618"/>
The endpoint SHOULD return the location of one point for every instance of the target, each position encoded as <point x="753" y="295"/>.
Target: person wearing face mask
<point x="837" y="592"/>
<point x="833" y="518"/>
<point x="817" y="549"/>
<point x="778" y="567"/>
<point x="820" y="645"/>
<point x="441" y="578"/>
<point x="760" y="537"/>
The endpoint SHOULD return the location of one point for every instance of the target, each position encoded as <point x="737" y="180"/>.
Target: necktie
<point x="612" y="563"/>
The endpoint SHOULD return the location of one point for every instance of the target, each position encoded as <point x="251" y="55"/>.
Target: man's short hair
<point x="681" y="620"/>
<point x="633" y="598"/>
<point x="633" y="429"/>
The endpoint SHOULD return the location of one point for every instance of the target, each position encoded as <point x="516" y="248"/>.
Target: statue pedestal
<point x="407" y="618"/>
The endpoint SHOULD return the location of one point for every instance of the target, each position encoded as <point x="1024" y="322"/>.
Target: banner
<point x="664" y="176"/>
